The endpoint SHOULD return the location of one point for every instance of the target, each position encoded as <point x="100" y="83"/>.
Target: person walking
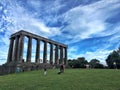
<point x="115" y="65"/>
<point x="61" y="69"/>
<point x="45" y="70"/>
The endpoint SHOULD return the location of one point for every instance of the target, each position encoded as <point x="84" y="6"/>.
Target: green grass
<point x="72" y="79"/>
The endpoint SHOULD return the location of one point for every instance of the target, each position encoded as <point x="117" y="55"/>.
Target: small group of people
<point x="62" y="67"/>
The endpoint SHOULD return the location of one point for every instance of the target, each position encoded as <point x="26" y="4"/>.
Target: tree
<point x="112" y="58"/>
<point x="77" y="63"/>
<point x="82" y="62"/>
<point x="94" y="63"/>
<point x="71" y="62"/>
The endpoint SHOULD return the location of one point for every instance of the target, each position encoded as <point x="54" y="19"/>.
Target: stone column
<point x="15" y="58"/>
<point x="21" y="48"/>
<point x="61" y="55"/>
<point x="37" y="58"/>
<point x="56" y="55"/>
<point x="51" y="53"/>
<point x="10" y="52"/>
<point x="66" y="62"/>
<point x="29" y="49"/>
<point x="45" y="52"/>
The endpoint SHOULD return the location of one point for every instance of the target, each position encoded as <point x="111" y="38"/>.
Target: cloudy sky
<point x="90" y="28"/>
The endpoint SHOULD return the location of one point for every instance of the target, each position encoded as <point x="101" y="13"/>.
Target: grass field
<point x="72" y="79"/>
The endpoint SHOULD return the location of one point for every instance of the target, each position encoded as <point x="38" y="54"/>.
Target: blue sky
<point x="90" y="28"/>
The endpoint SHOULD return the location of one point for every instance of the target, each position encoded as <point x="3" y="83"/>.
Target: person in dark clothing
<point x="45" y="70"/>
<point x="61" y="69"/>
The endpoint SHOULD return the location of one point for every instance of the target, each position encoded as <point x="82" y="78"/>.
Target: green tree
<point x="71" y="62"/>
<point x="82" y="62"/>
<point x="112" y="58"/>
<point x="94" y="63"/>
<point x="77" y="63"/>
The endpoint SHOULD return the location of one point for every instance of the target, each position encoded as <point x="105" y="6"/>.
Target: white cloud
<point x="41" y="28"/>
<point x="48" y="7"/>
<point x="88" y="20"/>
<point x="1" y="7"/>
<point x="18" y="18"/>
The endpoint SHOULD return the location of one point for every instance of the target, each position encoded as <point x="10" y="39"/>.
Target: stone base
<point x="21" y="67"/>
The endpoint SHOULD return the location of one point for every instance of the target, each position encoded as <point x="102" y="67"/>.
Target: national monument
<point x="15" y="53"/>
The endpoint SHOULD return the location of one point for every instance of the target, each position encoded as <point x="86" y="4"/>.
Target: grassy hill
<point x="72" y="79"/>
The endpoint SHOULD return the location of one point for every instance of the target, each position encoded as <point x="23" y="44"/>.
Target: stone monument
<point x="15" y="53"/>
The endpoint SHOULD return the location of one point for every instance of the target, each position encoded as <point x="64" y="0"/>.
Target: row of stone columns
<point x="17" y="46"/>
